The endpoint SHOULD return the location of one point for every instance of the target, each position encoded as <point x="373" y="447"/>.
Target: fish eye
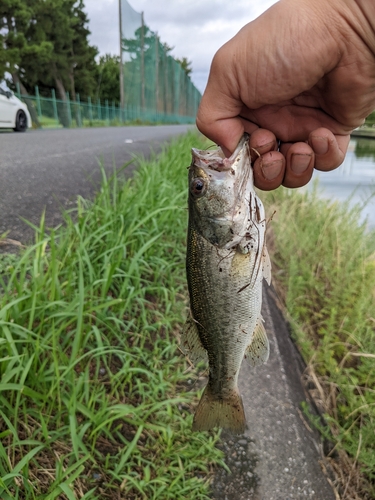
<point x="198" y="186"/>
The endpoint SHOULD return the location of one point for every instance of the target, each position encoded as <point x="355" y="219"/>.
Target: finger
<point x="269" y="170"/>
<point x="217" y="116"/>
<point x="218" y="113"/>
<point x="329" y="149"/>
<point x="299" y="166"/>
<point x="262" y="141"/>
<point x="224" y="132"/>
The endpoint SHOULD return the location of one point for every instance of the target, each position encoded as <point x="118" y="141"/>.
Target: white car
<point x="13" y="112"/>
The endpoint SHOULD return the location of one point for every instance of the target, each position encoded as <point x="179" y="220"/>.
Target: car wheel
<point x="21" y="122"/>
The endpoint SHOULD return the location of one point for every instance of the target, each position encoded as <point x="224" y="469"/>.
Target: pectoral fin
<point x="258" y="351"/>
<point x="191" y="344"/>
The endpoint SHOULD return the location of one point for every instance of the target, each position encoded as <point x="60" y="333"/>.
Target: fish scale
<point x="225" y="262"/>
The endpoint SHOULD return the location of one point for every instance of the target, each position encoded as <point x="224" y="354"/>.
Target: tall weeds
<point x="325" y="262"/>
<point x="93" y="398"/>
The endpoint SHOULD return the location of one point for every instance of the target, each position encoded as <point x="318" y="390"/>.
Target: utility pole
<point x="122" y="103"/>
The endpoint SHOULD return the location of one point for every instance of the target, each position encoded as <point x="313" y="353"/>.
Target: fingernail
<point x="272" y="170"/>
<point x="259" y="149"/>
<point x="300" y="162"/>
<point x="319" y="145"/>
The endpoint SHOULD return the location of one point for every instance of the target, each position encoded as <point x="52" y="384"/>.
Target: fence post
<point x="90" y="109"/>
<point x="54" y="104"/>
<point x="18" y="89"/>
<point x="69" y="110"/>
<point x="113" y="111"/>
<point x="99" y="110"/>
<point x="79" y="110"/>
<point x="107" y="110"/>
<point x="38" y="108"/>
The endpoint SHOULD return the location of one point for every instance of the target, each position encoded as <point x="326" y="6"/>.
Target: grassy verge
<point x="48" y="122"/>
<point x="325" y="272"/>
<point x="93" y="392"/>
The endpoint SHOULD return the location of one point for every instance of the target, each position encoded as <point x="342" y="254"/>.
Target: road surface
<point x="49" y="168"/>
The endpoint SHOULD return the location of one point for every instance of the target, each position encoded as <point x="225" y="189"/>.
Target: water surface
<point x="354" y="180"/>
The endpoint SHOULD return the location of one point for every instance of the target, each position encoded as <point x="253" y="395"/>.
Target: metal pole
<point x="142" y="64"/>
<point x="90" y="110"/>
<point x="122" y="100"/>
<point x="69" y="110"/>
<point x="78" y="108"/>
<point x="39" y="110"/>
<point x="55" y="114"/>
<point x="156" y="74"/>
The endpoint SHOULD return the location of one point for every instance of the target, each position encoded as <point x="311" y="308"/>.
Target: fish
<point x="226" y="261"/>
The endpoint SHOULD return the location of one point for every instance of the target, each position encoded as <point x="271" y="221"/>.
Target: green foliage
<point x="93" y="396"/>
<point x="325" y="263"/>
<point x="185" y="65"/>
<point x="365" y="148"/>
<point x="370" y="120"/>
<point x="45" y="42"/>
<point x="109" y="78"/>
<point x="15" y="18"/>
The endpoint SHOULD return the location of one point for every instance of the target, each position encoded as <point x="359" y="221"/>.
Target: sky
<point x="195" y="28"/>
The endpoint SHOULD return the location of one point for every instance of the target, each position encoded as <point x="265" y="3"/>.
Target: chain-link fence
<point x="153" y="80"/>
<point x="52" y="113"/>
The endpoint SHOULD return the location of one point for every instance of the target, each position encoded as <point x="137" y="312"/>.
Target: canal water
<point x="354" y="180"/>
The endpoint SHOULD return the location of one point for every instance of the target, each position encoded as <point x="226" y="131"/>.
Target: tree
<point x="63" y="23"/>
<point x="46" y="44"/>
<point x="83" y="67"/>
<point x="109" y="78"/>
<point x="15" y="19"/>
<point x="185" y="65"/>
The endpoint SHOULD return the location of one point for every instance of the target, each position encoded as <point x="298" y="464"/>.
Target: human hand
<point x="299" y="79"/>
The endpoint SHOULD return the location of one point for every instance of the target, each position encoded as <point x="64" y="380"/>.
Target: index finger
<point x="226" y="132"/>
<point x="218" y="114"/>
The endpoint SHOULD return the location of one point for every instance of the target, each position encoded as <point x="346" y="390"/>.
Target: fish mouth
<point x="217" y="161"/>
<point x="236" y="170"/>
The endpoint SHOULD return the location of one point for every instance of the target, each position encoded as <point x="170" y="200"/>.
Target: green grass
<point x="94" y="394"/>
<point x="325" y="270"/>
<point x="48" y="122"/>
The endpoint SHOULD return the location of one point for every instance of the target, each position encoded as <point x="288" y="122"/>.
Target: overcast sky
<point x="195" y="28"/>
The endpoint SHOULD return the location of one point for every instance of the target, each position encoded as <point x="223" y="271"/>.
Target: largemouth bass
<point x="226" y="262"/>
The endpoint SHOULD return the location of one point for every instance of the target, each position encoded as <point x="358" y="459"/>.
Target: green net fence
<point x="54" y="113"/>
<point x="153" y="81"/>
<point x="156" y="88"/>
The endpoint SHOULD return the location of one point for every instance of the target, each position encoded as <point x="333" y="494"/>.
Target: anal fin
<point x="191" y="344"/>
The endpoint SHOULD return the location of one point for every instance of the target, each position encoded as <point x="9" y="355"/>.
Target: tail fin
<point x="227" y="413"/>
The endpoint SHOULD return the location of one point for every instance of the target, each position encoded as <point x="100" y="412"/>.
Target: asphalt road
<point x="49" y="168"/>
